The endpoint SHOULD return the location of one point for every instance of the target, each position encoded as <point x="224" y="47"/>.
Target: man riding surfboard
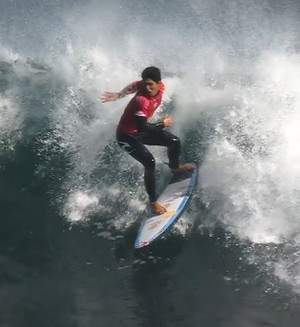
<point x="134" y="130"/>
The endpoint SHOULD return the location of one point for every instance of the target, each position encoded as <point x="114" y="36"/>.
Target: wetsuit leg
<point x="164" y="138"/>
<point x="139" y="152"/>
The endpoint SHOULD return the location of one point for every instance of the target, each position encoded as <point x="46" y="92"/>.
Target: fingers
<point x="168" y="122"/>
<point x="108" y="96"/>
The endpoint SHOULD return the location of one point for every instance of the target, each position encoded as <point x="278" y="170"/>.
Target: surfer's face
<point x="151" y="87"/>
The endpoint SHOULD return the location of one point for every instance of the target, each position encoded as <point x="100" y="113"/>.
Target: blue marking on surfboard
<point x="176" y="178"/>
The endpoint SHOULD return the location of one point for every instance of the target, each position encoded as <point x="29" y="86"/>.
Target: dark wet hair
<point x="152" y="73"/>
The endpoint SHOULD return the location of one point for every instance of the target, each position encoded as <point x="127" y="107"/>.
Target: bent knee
<point x="175" y="142"/>
<point x="149" y="163"/>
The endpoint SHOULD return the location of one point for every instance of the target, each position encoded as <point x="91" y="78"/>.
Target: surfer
<point x="134" y="129"/>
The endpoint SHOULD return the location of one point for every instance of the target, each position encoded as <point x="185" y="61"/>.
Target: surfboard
<point x="175" y="198"/>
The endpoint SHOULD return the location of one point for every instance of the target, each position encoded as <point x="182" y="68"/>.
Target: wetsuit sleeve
<point x="131" y="88"/>
<point x="144" y="126"/>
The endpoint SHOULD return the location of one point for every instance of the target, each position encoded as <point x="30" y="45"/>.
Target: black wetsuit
<point x="150" y="134"/>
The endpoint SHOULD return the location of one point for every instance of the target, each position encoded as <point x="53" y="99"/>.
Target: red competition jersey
<point x="140" y="105"/>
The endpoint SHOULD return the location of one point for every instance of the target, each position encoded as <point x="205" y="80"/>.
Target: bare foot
<point x="183" y="167"/>
<point x="157" y="208"/>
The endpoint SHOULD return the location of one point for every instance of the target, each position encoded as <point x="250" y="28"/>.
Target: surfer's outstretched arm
<point x="112" y="96"/>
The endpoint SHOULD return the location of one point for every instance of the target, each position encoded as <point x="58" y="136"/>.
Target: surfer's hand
<point x="168" y="121"/>
<point x="110" y="96"/>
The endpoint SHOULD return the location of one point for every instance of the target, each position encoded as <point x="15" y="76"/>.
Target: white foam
<point x="10" y="121"/>
<point x="79" y="205"/>
<point x="8" y="55"/>
<point x="234" y="63"/>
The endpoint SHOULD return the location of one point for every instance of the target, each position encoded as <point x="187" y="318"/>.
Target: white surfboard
<point x="175" y="198"/>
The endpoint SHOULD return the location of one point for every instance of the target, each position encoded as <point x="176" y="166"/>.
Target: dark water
<point x="71" y="201"/>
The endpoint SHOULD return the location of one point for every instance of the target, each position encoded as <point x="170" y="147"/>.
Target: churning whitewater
<point x="232" y="76"/>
